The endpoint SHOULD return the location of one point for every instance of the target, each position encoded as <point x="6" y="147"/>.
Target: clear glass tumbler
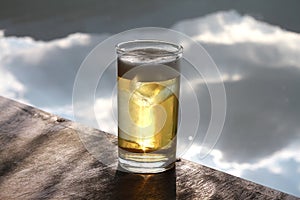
<point x="148" y="91"/>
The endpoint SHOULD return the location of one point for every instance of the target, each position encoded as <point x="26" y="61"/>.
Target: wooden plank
<point x="42" y="157"/>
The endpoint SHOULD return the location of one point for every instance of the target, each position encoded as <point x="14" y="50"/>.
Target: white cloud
<point x="225" y="77"/>
<point x="9" y="86"/>
<point x="42" y="73"/>
<point x="229" y="27"/>
<point x="273" y="163"/>
<point x="32" y="51"/>
<point x="106" y="119"/>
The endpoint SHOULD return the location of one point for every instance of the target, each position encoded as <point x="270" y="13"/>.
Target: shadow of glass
<point x="145" y="186"/>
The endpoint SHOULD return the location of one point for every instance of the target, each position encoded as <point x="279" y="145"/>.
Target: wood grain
<point x="42" y="157"/>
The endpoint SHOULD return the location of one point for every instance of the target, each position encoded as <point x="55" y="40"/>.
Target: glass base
<point x="142" y="168"/>
<point x="145" y="162"/>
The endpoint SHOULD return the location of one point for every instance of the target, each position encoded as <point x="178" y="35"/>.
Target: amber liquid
<point x="151" y="121"/>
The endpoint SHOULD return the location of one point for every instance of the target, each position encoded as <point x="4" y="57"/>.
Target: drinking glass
<point x="148" y="91"/>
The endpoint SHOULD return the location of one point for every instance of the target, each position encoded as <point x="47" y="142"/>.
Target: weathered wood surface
<point x="42" y="157"/>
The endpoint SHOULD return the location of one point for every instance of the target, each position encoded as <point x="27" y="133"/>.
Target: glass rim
<point x="121" y="48"/>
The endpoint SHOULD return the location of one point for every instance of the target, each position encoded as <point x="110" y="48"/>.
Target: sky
<point x="259" y="64"/>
